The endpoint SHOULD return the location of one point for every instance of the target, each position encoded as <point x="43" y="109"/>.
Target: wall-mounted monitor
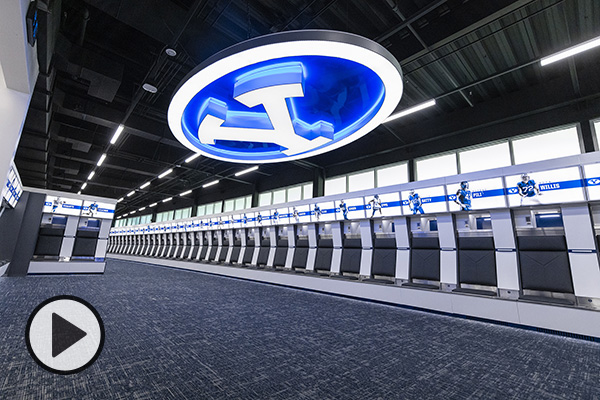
<point x="13" y="189"/>
<point x="545" y="187"/>
<point x="592" y="180"/>
<point x="280" y="216"/>
<point x="236" y="220"/>
<point x="299" y="214"/>
<point x="476" y="195"/>
<point x="98" y="210"/>
<point x="323" y="211"/>
<point x="383" y="205"/>
<point x="246" y="219"/>
<point x="424" y="200"/>
<point x="62" y="205"/>
<point x="353" y="208"/>
<point x="262" y="218"/>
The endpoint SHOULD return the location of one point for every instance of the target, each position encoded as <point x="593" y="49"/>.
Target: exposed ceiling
<point x="479" y="59"/>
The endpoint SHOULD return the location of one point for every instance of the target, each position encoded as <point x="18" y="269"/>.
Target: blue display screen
<point x="339" y="97"/>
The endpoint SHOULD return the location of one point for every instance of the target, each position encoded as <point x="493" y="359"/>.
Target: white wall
<point x="19" y="71"/>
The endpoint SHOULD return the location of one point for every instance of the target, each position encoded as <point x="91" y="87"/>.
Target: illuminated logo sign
<point x="593" y="182"/>
<point x="285" y="96"/>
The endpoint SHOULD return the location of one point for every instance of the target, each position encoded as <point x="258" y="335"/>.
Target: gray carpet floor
<point x="173" y="334"/>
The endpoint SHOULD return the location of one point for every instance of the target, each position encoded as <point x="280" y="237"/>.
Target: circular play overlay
<point x="285" y="96"/>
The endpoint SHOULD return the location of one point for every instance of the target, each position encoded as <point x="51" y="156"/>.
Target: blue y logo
<point x="270" y="87"/>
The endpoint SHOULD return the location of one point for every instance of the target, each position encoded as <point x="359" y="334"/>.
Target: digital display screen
<point x="545" y="187"/>
<point x="383" y="205"/>
<point x="592" y="180"/>
<point x="350" y="209"/>
<point x="13" y="189"/>
<point x="62" y="205"/>
<point x="299" y="214"/>
<point x="476" y="195"/>
<point x="323" y="211"/>
<point x="262" y="218"/>
<point x="246" y="220"/>
<point x="98" y="210"/>
<point x="280" y="216"/>
<point x="424" y="201"/>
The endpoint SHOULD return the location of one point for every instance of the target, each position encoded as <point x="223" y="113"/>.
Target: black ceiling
<point x="477" y="58"/>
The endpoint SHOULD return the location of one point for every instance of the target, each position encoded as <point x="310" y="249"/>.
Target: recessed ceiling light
<point x="149" y="88"/>
<point x="170" y="52"/>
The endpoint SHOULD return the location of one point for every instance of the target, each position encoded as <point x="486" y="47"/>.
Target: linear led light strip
<point x="571" y="51"/>
<point x="411" y="110"/>
<point x="246" y="171"/>
<point x="192" y="158"/>
<point x="210" y="183"/>
<point x="101" y="160"/>
<point x="165" y="173"/>
<point x="117" y="134"/>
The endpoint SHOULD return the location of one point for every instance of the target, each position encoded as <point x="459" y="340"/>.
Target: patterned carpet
<point x="174" y="334"/>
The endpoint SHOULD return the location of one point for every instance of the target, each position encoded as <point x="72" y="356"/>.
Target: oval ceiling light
<point x="285" y="96"/>
<point x="171" y="52"/>
<point x="149" y="88"/>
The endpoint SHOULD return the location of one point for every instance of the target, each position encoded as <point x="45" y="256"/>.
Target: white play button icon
<point x="65" y="334"/>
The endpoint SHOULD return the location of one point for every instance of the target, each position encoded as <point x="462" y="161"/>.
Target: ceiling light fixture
<point x="571" y="51"/>
<point x="170" y="52"/>
<point x="145" y="185"/>
<point x="131" y="193"/>
<point x="142" y="209"/>
<point x="246" y="171"/>
<point x="153" y="205"/>
<point x="169" y="199"/>
<point x="254" y="73"/>
<point x="192" y="158"/>
<point x="117" y="134"/>
<point x="411" y="110"/>
<point x="101" y="160"/>
<point x="120" y="200"/>
<point x="165" y="173"/>
<point x="210" y="184"/>
<point x="84" y="186"/>
<point x="79" y="192"/>
<point x="186" y="193"/>
<point x="149" y="88"/>
<point x="91" y="175"/>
